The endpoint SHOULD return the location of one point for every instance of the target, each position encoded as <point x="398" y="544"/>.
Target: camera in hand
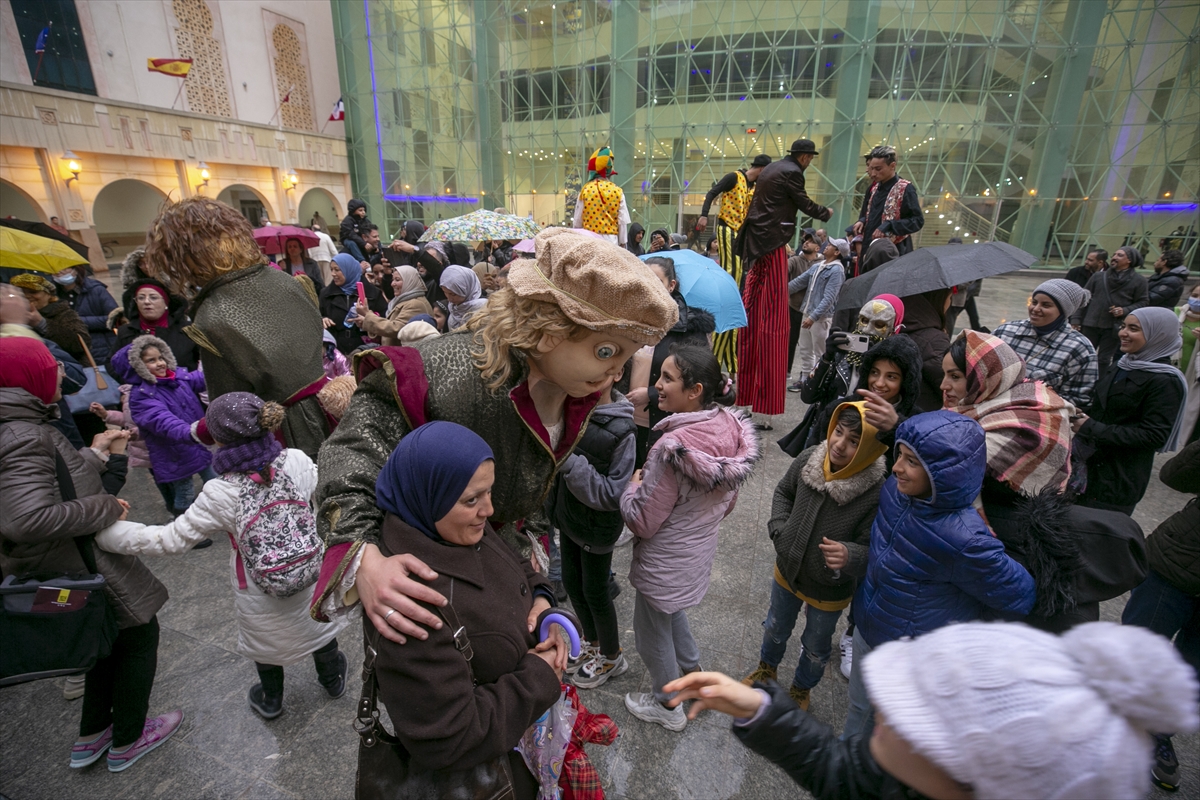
<point x="856" y="343"/>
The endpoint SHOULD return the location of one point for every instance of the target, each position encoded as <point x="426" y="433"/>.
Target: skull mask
<point x="877" y="319"/>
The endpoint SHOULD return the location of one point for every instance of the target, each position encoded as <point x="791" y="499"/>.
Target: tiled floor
<point x="224" y="751"/>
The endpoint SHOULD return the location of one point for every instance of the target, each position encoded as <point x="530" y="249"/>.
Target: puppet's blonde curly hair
<point x="195" y="240"/>
<point x="511" y="322"/>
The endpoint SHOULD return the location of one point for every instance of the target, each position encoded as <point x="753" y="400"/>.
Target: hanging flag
<point x="40" y="46"/>
<point x="286" y="97"/>
<point x="170" y="66"/>
<point x="339" y="111"/>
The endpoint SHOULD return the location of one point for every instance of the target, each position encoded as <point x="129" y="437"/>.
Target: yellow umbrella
<point x="21" y="250"/>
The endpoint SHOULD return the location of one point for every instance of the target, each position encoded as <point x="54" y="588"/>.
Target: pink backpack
<point x="277" y="538"/>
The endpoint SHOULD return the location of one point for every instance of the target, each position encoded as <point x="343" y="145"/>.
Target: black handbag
<point x="384" y="765"/>
<point x="55" y="624"/>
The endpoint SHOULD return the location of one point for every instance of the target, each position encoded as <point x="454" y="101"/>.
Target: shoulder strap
<point x="66" y="487"/>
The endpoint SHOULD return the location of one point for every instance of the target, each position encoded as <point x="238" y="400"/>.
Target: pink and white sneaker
<point x="89" y="752"/>
<point x="156" y="732"/>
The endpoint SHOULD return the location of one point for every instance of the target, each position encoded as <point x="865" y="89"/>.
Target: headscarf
<point x="411" y="285"/>
<point x="427" y="473"/>
<point x="237" y="421"/>
<point x="1160" y="326"/>
<point x="27" y="364"/>
<point x="869" y="447"/>
<point x="878" y="253"/>
<point x="413" y="230"/>
<point x="465" y="282"/>
<point x="600" y="165"/>
<point x="34" y="283"/>
<point x="350" y="267"/>
<point x="1027" y="425"/>
<point x="631" y="242"/>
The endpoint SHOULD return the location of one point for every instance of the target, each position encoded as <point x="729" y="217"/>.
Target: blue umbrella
<point x="704" y="284"/>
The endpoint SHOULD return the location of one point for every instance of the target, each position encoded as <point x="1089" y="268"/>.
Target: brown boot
<point x="800" y="696"/>
<point x="765" y="672"/>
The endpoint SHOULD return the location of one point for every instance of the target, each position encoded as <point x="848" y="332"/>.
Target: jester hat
<point x="600" y="165"/>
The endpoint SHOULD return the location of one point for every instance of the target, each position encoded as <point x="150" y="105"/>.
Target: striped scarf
<point x="1026" y="423"/>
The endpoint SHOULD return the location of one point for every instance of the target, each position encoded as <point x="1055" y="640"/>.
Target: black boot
<point x="331" y="669"/>
<point x="266" y="706"/>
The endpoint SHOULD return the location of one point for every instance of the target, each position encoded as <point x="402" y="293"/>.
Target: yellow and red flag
<point x="170" y="66"/>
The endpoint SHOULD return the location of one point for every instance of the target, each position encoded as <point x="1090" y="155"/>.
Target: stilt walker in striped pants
<point x="736" y="191"/>
<point x="769" y="224"/>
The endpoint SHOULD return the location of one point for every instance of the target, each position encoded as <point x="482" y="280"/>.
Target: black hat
<point x="761" y="160"/>
<point x="803" y="146"/>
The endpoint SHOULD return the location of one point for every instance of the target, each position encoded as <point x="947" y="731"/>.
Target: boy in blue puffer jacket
<point x="933" y="560"/>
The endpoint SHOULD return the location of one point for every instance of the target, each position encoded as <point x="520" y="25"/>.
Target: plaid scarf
<point x="1026" y="423"/>
<point x="579" y="779"/>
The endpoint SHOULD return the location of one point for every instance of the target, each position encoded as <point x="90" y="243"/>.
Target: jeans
<point x="117" y="690"/>
<point x="816" y="642"/>
<point x="860" y="718"/>
<point x="183" y="491"/>
<point x="665" y="643"/>
<point x="586" y="577"/>
<point x="1159" y="606"/>
<point x="328" y="670"/>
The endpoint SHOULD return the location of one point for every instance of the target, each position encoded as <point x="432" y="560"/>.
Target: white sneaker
<point x="587" y="652"/>
<point x="597" y="671"/>
<point x="645" y="707"/>
<point x="73" y="687"/>
<point x="846" y="645"/>
<point x="625" y="538"/>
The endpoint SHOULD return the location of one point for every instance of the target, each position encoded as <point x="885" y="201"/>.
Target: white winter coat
<point x="270" y="630"/>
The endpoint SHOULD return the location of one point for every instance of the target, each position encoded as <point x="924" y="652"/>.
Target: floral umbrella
<point x="481" y="225"/>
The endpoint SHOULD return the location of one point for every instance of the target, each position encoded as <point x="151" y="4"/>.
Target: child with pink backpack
<point x="261" y="501"/>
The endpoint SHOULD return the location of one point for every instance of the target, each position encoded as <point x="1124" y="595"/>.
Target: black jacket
<point x="1174" y="547"/>
<point x="1079" y="275"/>
<point x="352" y="227"/>
<point x="1165" y="289"/>
<point x="910" y="222"/>
<point x="925" y="324"/>
<point x="813" y="756"/>
<point x="771" y="219"/>
<point x="597" y="530"/>
<point x="1131" y="417"/>
<point x="93" y="303"/>
<point x="311" y="269"/>
<point x="336" y="304"/>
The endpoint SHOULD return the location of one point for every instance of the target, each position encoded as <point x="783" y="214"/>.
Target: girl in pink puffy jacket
<point x="674" y="507"/>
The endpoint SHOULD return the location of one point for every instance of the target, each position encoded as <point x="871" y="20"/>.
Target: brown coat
<point x="444" y="721"/>
<point x="388" y="330"/>
<point x="37" y="526"/>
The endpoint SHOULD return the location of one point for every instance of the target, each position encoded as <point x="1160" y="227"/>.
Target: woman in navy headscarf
<point x="435" y="491"/>
<point x="339" y="297"/>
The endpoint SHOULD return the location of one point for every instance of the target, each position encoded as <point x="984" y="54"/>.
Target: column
<point x="841" y="161"/>
<point x="357" y="81"/>
<point x="623" y="80"/>
<point x="487" y="99"/>
<point x="1051" y="156"/>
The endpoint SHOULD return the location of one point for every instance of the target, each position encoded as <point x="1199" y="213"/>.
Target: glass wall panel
<point x="1057" y="125"/>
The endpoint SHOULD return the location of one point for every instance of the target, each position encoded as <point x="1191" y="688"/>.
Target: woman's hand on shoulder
<point x="389" y="596"/>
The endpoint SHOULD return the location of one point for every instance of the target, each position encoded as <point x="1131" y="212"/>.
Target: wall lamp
<point x="72" y="164"/>
<point x="205" y="175"/>
<point x="291" y="180"/>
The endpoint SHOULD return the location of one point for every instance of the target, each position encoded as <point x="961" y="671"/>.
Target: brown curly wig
<point x="195" y="240"/>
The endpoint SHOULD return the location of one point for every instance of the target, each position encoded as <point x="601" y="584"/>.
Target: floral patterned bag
<point x="277" y="541"/>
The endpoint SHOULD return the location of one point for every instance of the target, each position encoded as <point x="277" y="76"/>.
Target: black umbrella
<point x="42" y="229"/>
<point x="933" y="268"/>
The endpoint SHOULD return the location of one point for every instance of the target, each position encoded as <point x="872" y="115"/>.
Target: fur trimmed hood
<point x="127" y="362"/>
<point x="714" y="449"/>
<point x="847" y="489"/>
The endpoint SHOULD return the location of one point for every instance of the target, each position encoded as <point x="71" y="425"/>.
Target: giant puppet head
<point x="196" y="240"/>
<point x="577" y="312"/>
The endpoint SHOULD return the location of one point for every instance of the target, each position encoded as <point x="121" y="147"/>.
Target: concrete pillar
<point x="623" y="80"/>
<point x="354" y="58"/>
<point x="840" y="162"/>
<point x="1052" y="151"/>
<point x="488" y="120"/>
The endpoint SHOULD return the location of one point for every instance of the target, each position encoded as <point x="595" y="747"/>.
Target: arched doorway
<point x="122" y="213"/>
<point x="15" y="202"/>
<point x="322" y="202"/>
<point x="248" y="201"/>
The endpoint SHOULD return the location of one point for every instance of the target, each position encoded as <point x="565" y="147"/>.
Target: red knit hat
<point x="26" y="364"/>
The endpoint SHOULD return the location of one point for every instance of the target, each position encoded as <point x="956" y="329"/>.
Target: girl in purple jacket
<point x="164" y="402"/>
<point x="674" y="508"/>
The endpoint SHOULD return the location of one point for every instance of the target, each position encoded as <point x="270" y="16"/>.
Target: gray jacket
<point x="37" y="526"/>
<point x="824" y="280"/>
<point x="1130" y="292"/>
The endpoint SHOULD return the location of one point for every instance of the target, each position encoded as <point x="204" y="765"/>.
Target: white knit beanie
<point x="1068" y="294"/>
<point x="1017" y="712"/>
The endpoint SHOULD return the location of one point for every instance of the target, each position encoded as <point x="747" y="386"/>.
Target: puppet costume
<point x="601" y="205"/>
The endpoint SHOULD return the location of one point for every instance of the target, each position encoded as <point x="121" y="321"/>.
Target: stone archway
<point x="319" y="201"/>
<point x="250" y="202"/>
<point x="122" y="213"/>
<point x="16" y="202"/>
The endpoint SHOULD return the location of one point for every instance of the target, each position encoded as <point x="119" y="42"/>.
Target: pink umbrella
<point x="273" y="240"/>
<point x="526" y="245"/>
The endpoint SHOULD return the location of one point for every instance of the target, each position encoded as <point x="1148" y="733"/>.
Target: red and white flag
<point x="339" y="111"/>
<point x="286" y="97"/>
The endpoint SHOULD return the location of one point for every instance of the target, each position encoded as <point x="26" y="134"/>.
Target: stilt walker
<point x="770" y="223"/>
<point x="736" y="190"/>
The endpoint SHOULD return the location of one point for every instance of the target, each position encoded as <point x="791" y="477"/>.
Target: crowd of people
<point x="451" y="444"/>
